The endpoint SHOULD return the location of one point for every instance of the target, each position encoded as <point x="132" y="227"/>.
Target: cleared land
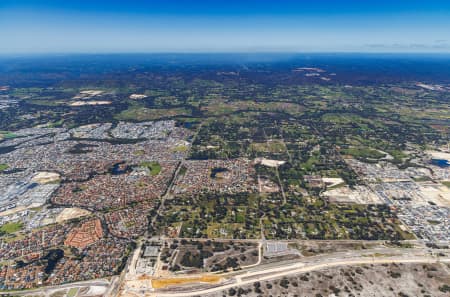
<point x="177" y="281"/>
<point x="364" y="280"/>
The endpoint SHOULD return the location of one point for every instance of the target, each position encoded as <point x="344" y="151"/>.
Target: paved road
<point x="47" y="290"/>
<point x="260" y="251"/>
<point x="301" y="267"/>
<point x="131" y="267"/>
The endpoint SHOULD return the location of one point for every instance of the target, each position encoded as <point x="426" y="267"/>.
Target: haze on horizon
<point x="100" y="26"/>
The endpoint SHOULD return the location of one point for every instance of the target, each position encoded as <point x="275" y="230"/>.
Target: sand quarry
<point x="71" y="213"/>
<point x="44" y="177"/>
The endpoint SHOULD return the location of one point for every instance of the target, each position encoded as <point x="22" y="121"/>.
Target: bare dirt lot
<point x="71" y="213"/>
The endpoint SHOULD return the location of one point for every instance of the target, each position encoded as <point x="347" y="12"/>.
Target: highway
<point x="47" y="291"/>
<point x="259" y="271"/>
<point x="262" y="274"/>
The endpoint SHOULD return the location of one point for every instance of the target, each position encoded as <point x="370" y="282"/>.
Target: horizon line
<point x="221" y="53"/>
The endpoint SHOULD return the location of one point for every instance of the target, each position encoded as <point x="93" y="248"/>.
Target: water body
<point x="217" y="170"/>
<point x="119" y="169"/>
<point x="440" y="162"/>
<point x="52" y="258"/>
<point x="6" y="149"/>
<point x="14" y="170"/>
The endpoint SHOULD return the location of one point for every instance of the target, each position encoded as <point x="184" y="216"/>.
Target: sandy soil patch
<point x="269" y="162"/>
<point x="138" y="96"/>
<point x="89" y="127"/>
<point x="92" y="92"/>
<point x="81" y="103"/>
<point x="359" y="195"/>
<point x="332" y="181"/>
<point x="439" y="155"/>
<point x="267" y="186"/>
<point x="46" y="177"/>
<point x="95" y="291"/>
<point x="71" y="213"/>
<point x="438" y="194"/>
<point x="166" y="282"/>
<point x="88" y="94"/>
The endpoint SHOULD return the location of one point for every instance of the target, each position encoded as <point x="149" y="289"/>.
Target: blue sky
<point x="66" y="26"/>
